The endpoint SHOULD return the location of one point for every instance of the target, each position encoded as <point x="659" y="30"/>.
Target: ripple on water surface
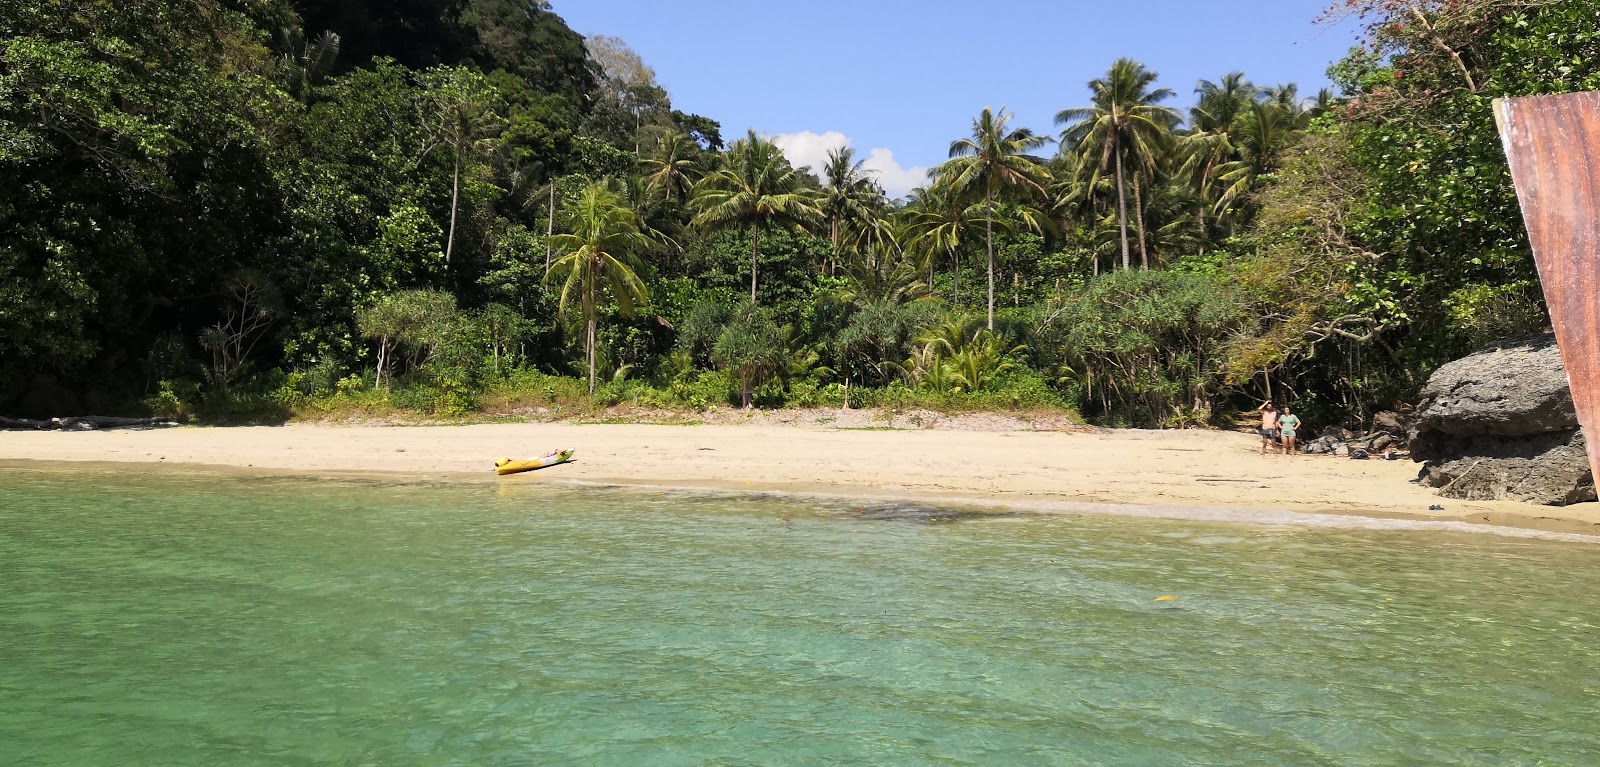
<point x="208" y="619"/>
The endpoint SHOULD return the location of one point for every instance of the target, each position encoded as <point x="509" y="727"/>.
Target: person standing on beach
<point x="1288" y="425"/>
<point x="1269" y="427"/>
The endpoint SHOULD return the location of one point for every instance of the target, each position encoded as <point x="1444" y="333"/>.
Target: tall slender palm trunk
<point x="955" y="277"/>
<point x="592" y="320"/>
<point x="988" y="223"/>
<point x="1138" y="212"/>
<point x="834" y="225"/>
<point x="755" y="239"/>
<point x="455" y="198"/>
<point x="550" y="226"/>
<point x="592" y="323"/>
<point x="1122" y="208"/>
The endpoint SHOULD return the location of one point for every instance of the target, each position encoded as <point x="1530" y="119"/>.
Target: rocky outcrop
<point x="1500" y="425"/>
<point x="1386" y="439"/>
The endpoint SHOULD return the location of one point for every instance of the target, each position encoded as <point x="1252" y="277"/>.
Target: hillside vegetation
<point x="250" y="209"/>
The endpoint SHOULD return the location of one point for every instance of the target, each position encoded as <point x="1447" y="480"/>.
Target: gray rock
<point x="1511" y="391"/>
<point x="1389" y="423"/>
<point x="1550" y="469"/>
<point x="1338" y="433"/>
<point x="1500" y="425"/>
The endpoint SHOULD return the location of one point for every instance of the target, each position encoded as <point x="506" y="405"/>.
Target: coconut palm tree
<point x="598" y="252"/>
<point x="672" y="170"/>
<point x="1322" y="102"/>
<point x="1124" y="124"/>
<point x="848" y="194"/>
<point x="938" y="222"/>
<point x="1222" y="103"/>
<point x="1076" y="195"/>
<point x="885" y="274"/>
<point x="995" y="164"/>
<point x="467" y="123"/>
<point x="1264" y="133"/>
<point x="757" y="188"/>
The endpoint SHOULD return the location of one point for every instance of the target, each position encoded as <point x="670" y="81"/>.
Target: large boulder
<point x="1500" y="425"/>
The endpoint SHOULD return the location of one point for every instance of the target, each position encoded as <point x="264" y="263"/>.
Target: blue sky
<point x="900" y="79"/>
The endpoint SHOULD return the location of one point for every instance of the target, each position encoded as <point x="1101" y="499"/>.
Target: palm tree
<point x="885" y="275"/>
<point x="848" y="195"/>
<point x="674" y="168"/>
<point x="1209" y="145"/>
<point x="994" y="161"/>
<point x="308" y="68"/>
<point x="467" y="123"/>
<point x="1265" y="132"/>
<point x="756" y="189"/>
<point x="939" y="221"/>
<point x="1075" y="194"/>
<point x="1222" y="103"/>
<point x="1323" y="102"/>
<point x="1125" y="123"/>
<point x="598" y="252"/>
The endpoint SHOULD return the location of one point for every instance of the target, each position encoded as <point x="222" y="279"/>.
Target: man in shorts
<point x="1288" y="425"/>
<point x="1269" y="428"/>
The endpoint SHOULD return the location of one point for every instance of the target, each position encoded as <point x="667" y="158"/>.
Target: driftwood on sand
<point x="81" y="423"/>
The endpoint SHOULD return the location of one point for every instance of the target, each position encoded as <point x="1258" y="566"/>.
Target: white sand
<point x="1168" y="468"/>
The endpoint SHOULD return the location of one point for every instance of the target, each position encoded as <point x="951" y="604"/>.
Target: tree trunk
<point x="755" y="238"/>
<point x="383" y="361"/>
<point x="592" y="323"/>
<point x="988" y="222"/>
<point x="834" y="225"/>
<point x="1138" y="212"/>
<point x="955" y="277"/>
<point x="1122" y="209"/>
<point x="744" y="391"/>
<point x="550" y="226"/>
<point x="455" y="197"/>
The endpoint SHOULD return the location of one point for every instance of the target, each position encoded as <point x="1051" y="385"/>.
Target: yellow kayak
<point x="508" y="466"/>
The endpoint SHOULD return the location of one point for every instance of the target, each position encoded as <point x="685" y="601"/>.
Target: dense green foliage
<point x="251" y="207"/>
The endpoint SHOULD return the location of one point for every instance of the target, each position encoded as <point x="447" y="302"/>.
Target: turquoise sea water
<point x="189" y="619"/>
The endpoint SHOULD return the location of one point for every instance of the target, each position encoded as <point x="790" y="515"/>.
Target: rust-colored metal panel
<point x="1553" y="144"/>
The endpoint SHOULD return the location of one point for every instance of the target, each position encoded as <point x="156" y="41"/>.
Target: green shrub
<point x="174" y="400"/>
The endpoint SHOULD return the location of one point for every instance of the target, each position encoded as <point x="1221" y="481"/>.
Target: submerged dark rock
<point x="916" y="514"/>
<point x="1500" y="424"/>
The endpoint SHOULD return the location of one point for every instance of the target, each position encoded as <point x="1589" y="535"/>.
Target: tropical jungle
<point x="253" y="210"/>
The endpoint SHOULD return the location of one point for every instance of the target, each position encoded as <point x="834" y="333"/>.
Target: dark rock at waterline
<point x="915" y="514"/>
<point x="1500" y="424"/>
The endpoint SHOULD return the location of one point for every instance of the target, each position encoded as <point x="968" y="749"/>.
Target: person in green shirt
<point x="1288" y="425"/>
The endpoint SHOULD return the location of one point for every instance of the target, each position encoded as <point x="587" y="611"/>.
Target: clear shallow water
<point x="205" y="620"/>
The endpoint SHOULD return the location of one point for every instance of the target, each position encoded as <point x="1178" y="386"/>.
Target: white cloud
<point x="807" y="149"/>
<point x="897" y="181"/>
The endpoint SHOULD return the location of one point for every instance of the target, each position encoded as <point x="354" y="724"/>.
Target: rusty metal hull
<point x="1553" y="145"/>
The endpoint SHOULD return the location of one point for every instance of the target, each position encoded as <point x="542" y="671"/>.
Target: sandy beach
<point x="1193" y="469"/>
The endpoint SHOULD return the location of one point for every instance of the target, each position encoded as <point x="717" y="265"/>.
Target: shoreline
<point x="1186" y="474"/>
